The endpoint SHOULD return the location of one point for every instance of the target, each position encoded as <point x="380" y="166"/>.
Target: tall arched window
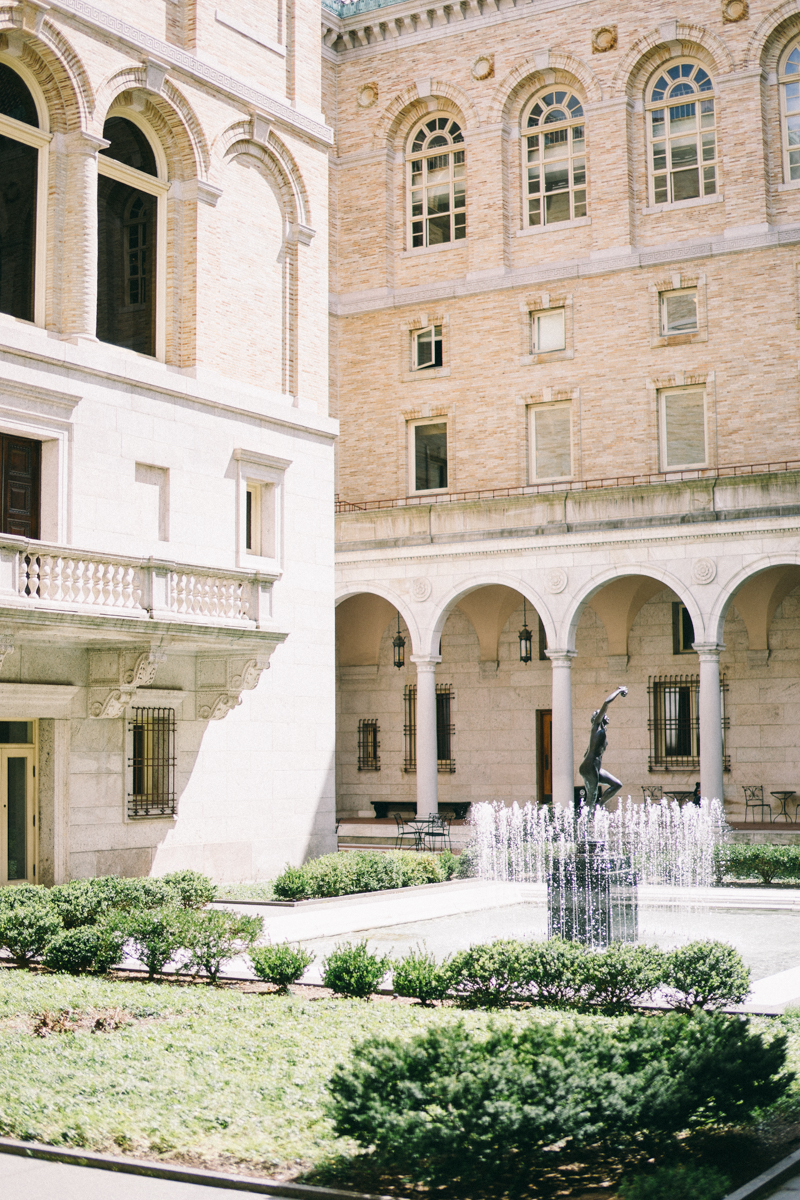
<point x="554" y="144"/>
<point x="789" y="76"/>
<point x="681" y="134"/>
<point x="436" y="178"/>
<point x="131" y="189"/>
<point x="22" y="145"/>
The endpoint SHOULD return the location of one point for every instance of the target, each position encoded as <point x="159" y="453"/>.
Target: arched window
<point x="22" y="142"/>
<point x="130" y="276"/>
<point x="436" y="177"/>
<point x="790" y="113"/>
<point x="681" y="134"/>
<point x="554" y="144"/>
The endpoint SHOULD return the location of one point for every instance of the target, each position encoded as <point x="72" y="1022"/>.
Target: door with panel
<point x="18" y="831"/>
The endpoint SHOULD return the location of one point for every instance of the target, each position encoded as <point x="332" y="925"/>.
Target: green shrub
<point x="213" y="938"/>
<point x="90" y="948"/>
<point x="676" y="1183"/>
<point x="155" y="936"/>
<point x="419" y="976"/>
<point x="752" y="861"/>
<point x="362" y="871"/>
<point x="489" y="976"/>
<point x="705" y="975"/>
<point x="353" y="970"/>
<point x="23" y="893"/>
<point x="280" y="965"/>
<point x="77" y="903"/>
<point x="190" y="889"/>
<point x="467" y="863"/>
<point x="85" y="901"/>
<point x="449" y="1104"/>
<point x="557" y="970"/>
<point x="26" y="928"/>
<point x="614" y="979"/>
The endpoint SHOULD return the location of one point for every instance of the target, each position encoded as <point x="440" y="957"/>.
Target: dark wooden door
<point x="20" y="460"/>
<point x="544" y="758"/>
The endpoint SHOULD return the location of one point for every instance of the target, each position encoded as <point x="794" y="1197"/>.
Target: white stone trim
<point x="269" y="471"/>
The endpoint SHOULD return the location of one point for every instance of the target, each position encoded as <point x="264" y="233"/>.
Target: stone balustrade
<point x="41" y="576"/>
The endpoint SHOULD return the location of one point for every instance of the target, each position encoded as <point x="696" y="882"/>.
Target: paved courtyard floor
<point x="36" y="1179"/>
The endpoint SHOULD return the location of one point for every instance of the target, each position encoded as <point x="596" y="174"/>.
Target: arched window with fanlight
<point x="131" y="192"/>
<point x="554" y="141"/>
<point x="681" y="134"/>
<point x="436" y="182"/>
<point x="23" y="149"/>
<point x="789" y="76"/>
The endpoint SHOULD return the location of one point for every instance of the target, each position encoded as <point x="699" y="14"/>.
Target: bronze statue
<point x="591" y="769"/>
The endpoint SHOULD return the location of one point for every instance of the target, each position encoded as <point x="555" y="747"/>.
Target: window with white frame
<point x="554" y="144"/>
<point x="428" y="455"/>
<point x="548" y="331"/>
<point x="789" y="76"/>
<point x="551" y="441"/>
<point x="436" y="181"/>
<point x="683" y="428"/>
<point x="260" y="480"/>
<point x="681" y="134"/>
<point x="678" y="312"/>
<point x="426" y="348"/>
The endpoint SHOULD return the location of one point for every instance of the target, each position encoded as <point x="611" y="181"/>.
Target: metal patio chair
<point x="754" y="798"/>
<point x="402" y="831"/>
<point x="652" y="793"/>
<point x="436" y="835"/>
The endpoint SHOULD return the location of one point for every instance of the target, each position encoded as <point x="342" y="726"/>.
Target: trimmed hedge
<point x="354" y="970"/>
<point x="280" y="965"/>
<point x="91" y="948"/>
<point x="752" y="861"/>
<point x="363" y="871"/>
<point x="478" y="1111"/>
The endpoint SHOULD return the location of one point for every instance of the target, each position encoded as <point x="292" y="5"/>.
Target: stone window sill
<point x="652" y="209"/>
<point x="538" y="229"/>
<point x="679" y="339"/>
<point x="790" y="186"/>
<point x="418" y="376"/>
<point x="443" y="246"/>
<point x="549" y="356"/>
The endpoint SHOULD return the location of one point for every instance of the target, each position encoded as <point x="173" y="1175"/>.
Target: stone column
<point x="79" y="312"/>
<point x="427" y="758"/>
<point x="563" y="765"/>
<point x="711" y="782"/>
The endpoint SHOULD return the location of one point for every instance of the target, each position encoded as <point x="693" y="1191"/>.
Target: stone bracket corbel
<point x="137" y="669"/>
<point x="242" y="675"/>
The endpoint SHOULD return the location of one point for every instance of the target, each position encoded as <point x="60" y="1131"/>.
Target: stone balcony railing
<point x="34" y="575"/>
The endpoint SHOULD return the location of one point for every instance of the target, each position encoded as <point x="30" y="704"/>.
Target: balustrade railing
<point x="52" y="577"/>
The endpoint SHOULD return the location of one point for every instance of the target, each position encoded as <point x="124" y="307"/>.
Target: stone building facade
<point x="166" y="522"/>
<point x="565" y="308"/>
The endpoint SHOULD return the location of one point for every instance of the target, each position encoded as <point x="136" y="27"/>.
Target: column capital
<point x="708" y="651"/>
<point x="561" y="658"/>
<point x="425" y="662"/>
<point x="80" y="142"/>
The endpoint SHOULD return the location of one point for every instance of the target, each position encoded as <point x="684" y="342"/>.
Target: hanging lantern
<point x="525" y="637"/>
<point x="399" y="644"/>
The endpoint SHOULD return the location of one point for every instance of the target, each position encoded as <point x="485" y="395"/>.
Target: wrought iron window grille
<point x="368" y="745"/>
<point x="152" y="763"/>
<point x="674" y="722"/>
<point x="445" y="730"/>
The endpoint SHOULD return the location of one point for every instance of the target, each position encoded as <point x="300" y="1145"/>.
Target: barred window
<point x="682" y="141"/>
<point x="675" y="722"/>
<point x="368" y="745"/>
<point x="444" y="728"/>
<point x="152" y="763"/>
<point x="789" y="76"/>
<point x="436" y="181"/>
<point x="554" y="143"/>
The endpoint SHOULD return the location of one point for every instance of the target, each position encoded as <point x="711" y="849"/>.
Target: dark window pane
<point x="17" y="819"/>
<point x="19" y="733"/>
<point x="129" y="145"/>
<point x="557" y="207"/>
<point x="438" y="230"/>
<point x="126" y="228"/>
<point x="17" y="225"/>
<point x="15" y="99"/>
<point x="430" y="442"/>
<point x="685" y="185"/>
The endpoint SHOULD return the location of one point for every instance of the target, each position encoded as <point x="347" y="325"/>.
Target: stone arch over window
<point x="681" y="132"/>
<point x="410" y="106"/>
<point x="55" y="70"/>
<point x="516" y="88"/>
<point x="167" y="113"/>
<point x="771" y="37"/>
<point x="553" y="140"/>
<point x="672" y="40"/>
<point x="435" y="156"/>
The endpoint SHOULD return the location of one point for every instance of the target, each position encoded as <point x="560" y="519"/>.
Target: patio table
<point x="782" y="798"/>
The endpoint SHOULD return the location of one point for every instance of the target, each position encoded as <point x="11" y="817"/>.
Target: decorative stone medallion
<point x="421" y="588"/>
<point x="704" y="570"/>
<point x="367" y="95"/>
<point x="483" y="67"/>
<point x="555" y="580"/>
<point x="604" y="39"/>
<point x="735" y="10"/>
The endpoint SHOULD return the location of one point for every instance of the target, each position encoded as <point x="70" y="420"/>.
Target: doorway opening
<point x="18" y="827"/>
<point x="544" y="755"/>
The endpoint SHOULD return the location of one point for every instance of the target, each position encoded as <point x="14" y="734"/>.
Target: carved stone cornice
<point x="135" y="669"/>
<point x="241" y="675"/>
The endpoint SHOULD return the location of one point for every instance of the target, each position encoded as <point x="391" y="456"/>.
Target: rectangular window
<point x="426" y="348"/>
<point x="259" y="519"/>
<point x="551" y="441"/>
<point x="679" y="312"/>
<point x="683" y="429"/>
<point x="368" y="745"/>
<point x="444" y="728"/>
<point x="675" y="722"/>
<point x="547" y="331"/>
<point x="20" y="465"/>
<point x="429" y="456"/>
<point x="682" y="629"/>
<point x="152" y="763"/>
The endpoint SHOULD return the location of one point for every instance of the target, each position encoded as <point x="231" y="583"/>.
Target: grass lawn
<point x="233" y="1079"/>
